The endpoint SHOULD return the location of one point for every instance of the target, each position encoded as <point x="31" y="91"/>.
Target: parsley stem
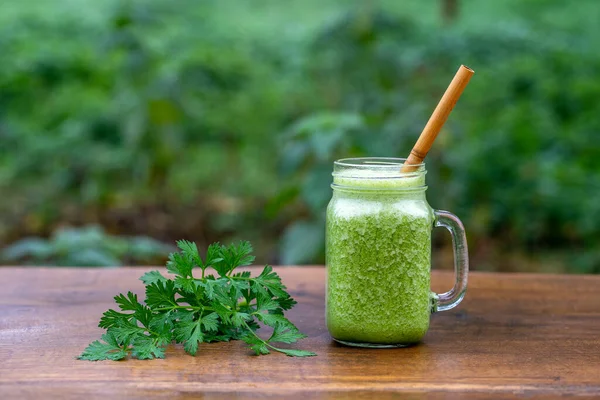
<point x="197" y="308"/>
<point x="240" y="278"/>
<point x="261" y="339"/>
<point x="254" y="333"/>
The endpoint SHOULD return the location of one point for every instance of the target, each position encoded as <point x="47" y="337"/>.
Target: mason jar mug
<point x="378" y="254"/>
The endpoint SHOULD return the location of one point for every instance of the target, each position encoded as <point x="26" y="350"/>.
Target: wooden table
<point x="534" y="335"/>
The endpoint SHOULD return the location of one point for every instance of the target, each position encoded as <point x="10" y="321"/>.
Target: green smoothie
<point x="378" y="257"/>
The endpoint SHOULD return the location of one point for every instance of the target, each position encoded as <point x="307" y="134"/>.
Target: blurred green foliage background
<point x="220" y="120"/>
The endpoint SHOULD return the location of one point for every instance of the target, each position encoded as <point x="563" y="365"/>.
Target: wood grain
<point x="530" y="335"/>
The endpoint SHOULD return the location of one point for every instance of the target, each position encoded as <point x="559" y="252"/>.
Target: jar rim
<point x="375" y="168"/>
<point x="377" y="173"/>
<point x="382" y="163"/>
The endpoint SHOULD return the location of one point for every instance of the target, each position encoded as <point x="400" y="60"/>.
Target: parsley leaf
<point x="152" y="277"/>
<point x="269" y="282"/>
<point x="272" y="319"/>
<point x="180" y="264"/>
<point x="190" y="334"/>
<point x="109" y="350"/>
<point x="127" y="303"/>
<point x="194" y="309"/>
<point x="210" y="322"/>
<point x="147" y="348"/>
<point x="233" y="256"/>
<point x="190" y="250"/>
<point x="213" y="255"/>
<point x="296" y="353"/>
<point x="285" y="334"/>
<point x="161" y="294"/>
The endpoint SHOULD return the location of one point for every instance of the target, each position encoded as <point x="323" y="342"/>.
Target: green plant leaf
<point x="152" y="277"/>
<point x="109" y="349"/>
<point x="198" y="310"/>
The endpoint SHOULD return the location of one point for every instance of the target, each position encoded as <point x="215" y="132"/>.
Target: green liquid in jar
<point x="379" y="260"/>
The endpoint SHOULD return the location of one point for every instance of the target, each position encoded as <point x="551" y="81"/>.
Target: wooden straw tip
<point x="468" y="69"/>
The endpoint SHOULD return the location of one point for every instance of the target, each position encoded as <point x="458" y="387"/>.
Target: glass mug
<point x="378" y="254"/>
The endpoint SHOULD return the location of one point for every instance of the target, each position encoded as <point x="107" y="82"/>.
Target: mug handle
<point x="452" y="298"/>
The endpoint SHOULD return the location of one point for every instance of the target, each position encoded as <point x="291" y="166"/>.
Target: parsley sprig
<point x="198" y="307"/>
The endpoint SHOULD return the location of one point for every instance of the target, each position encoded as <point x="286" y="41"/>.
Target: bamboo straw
<point x="438" y="118"/>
